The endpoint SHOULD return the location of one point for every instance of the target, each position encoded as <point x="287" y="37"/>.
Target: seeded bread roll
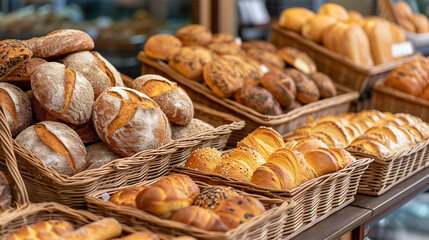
<point x="194" y="35"/>
<point x="5" y="193"/>
<point x="211" y="197"/>
<point x="162" y="46"/>
<point x="204" y="159"/>
<point x="325" y="84"/>
<point x="99" y="154"/>
<point x="56" y="145"/>
<point x="96" y="69"/>
<point x="259" y="99"/>
<point x="222" y="78"/>
<point x="13" y="53"/>
<point x="18" y="107"/>
<point x="64" y="93"/>
<point x="269" y="59"/>
<point x="223" y="37"/>
<point x="59" y="43"/>
<point x="248" y="69"/>
<point x="281" y="86"/>
<point x="306" y="89"/>
<point x="190" y="61"/>
<point x="128" y="121"/>
<point x="259" y="44"/>
<point x="173" y="100"/>
<point x="21" y="75"/>
<point x="196" y="126"/>
<point x="221" y="48"/>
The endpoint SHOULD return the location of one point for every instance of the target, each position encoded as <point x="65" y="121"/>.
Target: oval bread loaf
<point x="325" y="84"/>
<point x="56" y="145"/>
<point x="128" y="121"/>
<point x="196" y="126"/>
<point x="281" y="86"/>
<point x="259" y="99"/>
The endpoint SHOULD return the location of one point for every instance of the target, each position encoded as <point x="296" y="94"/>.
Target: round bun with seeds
<point x="194" y="35"/>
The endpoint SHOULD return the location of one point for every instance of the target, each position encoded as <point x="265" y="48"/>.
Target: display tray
<point x="338" y="67"/>
<point x="266" y="226"/>
<point x="45" y="184"/>
<point x="281" y="123"/>
<point x="314" y="199"/>
<point x="385" y="173"/>
<point x="392" y="100"/>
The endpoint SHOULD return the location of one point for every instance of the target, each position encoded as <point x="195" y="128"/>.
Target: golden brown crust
<point x="270" y="60"/>
<point x="281" y="86"/>
<point x="211" y="197"/>
<point x="224" y="37"/>
<point x="248" y="69"/>
<point x="190" y="61"/>
<point x="264" y="140"/>
<point x="294" y="18"/>
<point x="13" y="54"/>
<point x="194" y="34"/>
<point x="202" y="218"/>
<point x="315" y="26"/>
<point x="298" y="59"/>
<point x="259" y="44"/>
<point x="126" y="196"/>
<point x="259" y="99"/>
<point x="306" y="89"/>
<point x="105" y="228"/>
<point x="380" y="39"/>
<point x="162" y="46"/>
<point x="234" y="170"/>
<point x="51" y="229"/>
<point x="334" y="10"/>
<point x="222" y="48"/>
<point x="325" y="84"/>
<point x="222" y="78"/>
<point x="273" y="176"/>
<point x="204" y="159"/>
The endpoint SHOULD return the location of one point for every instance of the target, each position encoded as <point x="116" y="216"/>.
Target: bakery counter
<point x="366" y="209"/>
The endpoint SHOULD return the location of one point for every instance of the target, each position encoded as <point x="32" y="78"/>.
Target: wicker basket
<point x="281" y="123"/>
<point x="338" y="67"/>
<point x="384" y="173"/>
<point x="315" y="199"/>
<point x="266" y="226"/>
<point x="392" y="100"/>
<point x="45" y="184"/>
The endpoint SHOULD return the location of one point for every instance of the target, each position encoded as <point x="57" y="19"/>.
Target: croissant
<point x="273" y="176"/>
<point x="202" y="218"/>
<point x="322" y="161"/>
<point x="264" y="140"/>
<point x="305" y="145"/>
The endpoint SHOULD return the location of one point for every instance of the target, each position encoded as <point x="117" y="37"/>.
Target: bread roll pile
<point x="234" y="71"/>
<point x="264" y="159"/>
<point x="415" y="23"/>
<point x="177" y="198"/>
<point x="104" y="229"/>
<point x="364" y="41"/>
<point x="411" y="77"/>
<point x="369" y="131"/>
<point x="77" y="97"/>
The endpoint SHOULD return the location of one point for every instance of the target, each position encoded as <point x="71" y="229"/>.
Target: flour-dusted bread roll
<point x="128" y="121"/>
<point x="194" y="34"/>
<point x="18" y="107"/>
<point x="13" y="53"/>
<point x="63" y="92"/>
<point x="99" y="154"/>
<point x="173" y="100"/>
<point x="56" y="145"/>
<point x="96" y="69"/>
<point x="162" y="46"/>
<point x="59" y="43"/>
<point x="196" y="126"/>
<point x="190" y="61"/>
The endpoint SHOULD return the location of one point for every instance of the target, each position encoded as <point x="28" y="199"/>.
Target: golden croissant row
<point x="263" y="158"/>
<point x="369" y="131"/>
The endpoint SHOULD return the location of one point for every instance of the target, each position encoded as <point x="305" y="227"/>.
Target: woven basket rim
<point x="380" y="87"/>
<point x="348" y="95"/>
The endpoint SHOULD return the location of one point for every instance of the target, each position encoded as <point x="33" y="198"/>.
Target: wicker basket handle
<point x="7" y="153"/>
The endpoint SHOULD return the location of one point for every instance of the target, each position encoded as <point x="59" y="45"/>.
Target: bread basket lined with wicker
<point x="267" y="225"/>
<point x="316" y="194"/>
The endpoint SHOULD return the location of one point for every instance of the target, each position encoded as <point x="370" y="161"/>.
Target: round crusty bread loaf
<point x="173" y="100"/>
<point x="162" y="46"/>
<point x="18" y="107"/>
<point x="196" y="126"/>
<point x="128" y="121"/>
<point x="96" y="69"/>
<point x="56" y="145"/>
<point x="222" y="78"/>
<point x="194" y="34"/>
<point x="64" y="93"/>
<point x="190" y="61"/>
<point x="99" y="154"/>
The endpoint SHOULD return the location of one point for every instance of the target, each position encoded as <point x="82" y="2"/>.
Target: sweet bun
<point x="56" y="145"/>
<point x="259" y="99"/>
<point x="335" y="11"/>
<point x="315" y="26"/>
<point x="204" y="159"/>
<point x="259" y="44"/>
<point x="173" y="100"/>
<point x="99" y="154"/>
<point x="59" y="43"/>
<point x="194" y="35"/>
<point x="13" y="54"/>
<point x="64" y="93"/>
<point x="294" y="18"/>
<point x="117" y="118"/>
<point x="325" y="84"/>
<point x="126" y="196"/>
<point x="162" y="46"/>
<point x="248" y="69"/>
<point x="202" y="218"/>
<point x="190" y="61"/>
<point x="222" y="78"/>
<point x="281" y="86"/>
<point x="211" y="197"/>
<point x="52" y="229"/>
<point x="196" y="126"/>
<point x="96" y="69"/>
<point x="18" y="107"/>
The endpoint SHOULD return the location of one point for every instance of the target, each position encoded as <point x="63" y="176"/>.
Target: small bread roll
<point x="162" y="46"/>
<point x="126" y="196"/>
<point x="294" y="18"/>
<point x="129" y="121"/>
<point x="96" y="69"/>
<point x="259" y="99"/>
<point x="201" y="218"/>
<point x="334" y="10"/>
<point x="173" y="100"/>
<point x="18" y="107"/>
<point x="56" y="145"/>
<point x="99" y="154"/>
<point x="63" y="92"/>
<point x="221" y="48"/>
<point x="325" y="84"/>
<point x="196" y="126"/>
<point x="5" y="194"/>
<point x="194" y="35"/>
<point x="315" y="26"/>
<point x="211" y="197"/>
<point x="224" y="38"/>
<point x="13" y="54"/>
<point x="259" y="44"/>
<point x="59" y="43"/>
<point x="269" y="59"/>
<point x="300" y="60"/>
<point x="190" y="61"/>
<point x="204" y="159"/>
<point x="248" y="69"/>
<point x="281" y="86"/>
<point x="222" y="78"/>
<point x="355" y="17"/>
<point x="306" y="89"/>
